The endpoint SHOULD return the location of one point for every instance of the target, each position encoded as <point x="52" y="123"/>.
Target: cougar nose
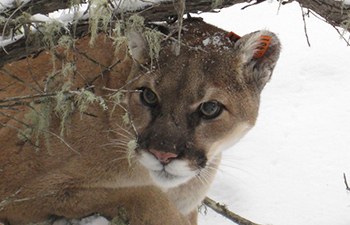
<point x="163" y="157"/>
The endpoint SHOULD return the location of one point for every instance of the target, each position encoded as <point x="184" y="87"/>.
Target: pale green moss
<point x="100" y="18"/>
<point x="132" y="145"/>
<point x="84" y="98"/>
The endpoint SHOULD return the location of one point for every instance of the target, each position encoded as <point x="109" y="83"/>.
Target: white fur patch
<point x="171" y="175"/>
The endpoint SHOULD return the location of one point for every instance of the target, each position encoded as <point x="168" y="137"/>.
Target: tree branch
<point x="305" y="29"/>
<point x="12" y="199"/>
<point x="39" y="6"/>
<point x="222" y="209"/>
<point x="335" y="13"/>
<point x="158" y="12"/>
<point x="346" y="182"/>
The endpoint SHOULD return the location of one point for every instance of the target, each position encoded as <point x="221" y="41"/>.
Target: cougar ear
<point x="138" y="47"/>
<point x="259" y="52"/>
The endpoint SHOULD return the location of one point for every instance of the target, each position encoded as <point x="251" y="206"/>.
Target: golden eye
<point x="148" y="97"/>
<point x="211" y="109"/>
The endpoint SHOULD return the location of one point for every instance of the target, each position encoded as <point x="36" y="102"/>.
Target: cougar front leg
<point x="135" y="206"/>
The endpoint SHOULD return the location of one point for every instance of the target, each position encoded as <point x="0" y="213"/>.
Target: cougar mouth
<point x="168" y="175"/>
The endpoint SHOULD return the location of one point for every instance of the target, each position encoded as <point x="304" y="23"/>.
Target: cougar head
<point x="190" y="106"/>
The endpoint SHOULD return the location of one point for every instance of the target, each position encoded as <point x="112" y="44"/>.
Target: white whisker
<point x="125" y="130"/>
<point x="118" y="141"/>
<point x="115" y="144"/>
<point x="123" y="135"/>
<point x="124" y="146"/>
<point x="203" y="177"/>
<point x="120" y="158"/>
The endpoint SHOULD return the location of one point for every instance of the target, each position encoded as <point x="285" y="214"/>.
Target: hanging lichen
<point x="66" y="42"/>
<point x="116" y="99"/>
<point x="100" y="17"/>
<point x="64" y="110"/>
<point x="132" y="145"/>
<point x="126" y="118"/>
<point x="119" y="37"/>
<point x="39" y="119"/>
<point x="51" y="31"/>
<point x="153" y="37"/>
<point x="121" y="218"/>
<point x="216" y="3"/>
<point x="84" y="98"/>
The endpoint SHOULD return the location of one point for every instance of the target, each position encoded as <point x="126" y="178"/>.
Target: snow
<point x="346" y="2"/>
<point x="9" y="3"/>
<point x="4" y="42"/>
<point x="289" y="169"/>
<point x="90" y="220"/>
<point x="135" y="4"/>
<point x="5" y="4"/>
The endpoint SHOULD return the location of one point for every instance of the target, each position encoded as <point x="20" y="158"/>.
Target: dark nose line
<point x="163" y="157"/>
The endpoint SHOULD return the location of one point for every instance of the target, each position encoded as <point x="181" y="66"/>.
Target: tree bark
<point x="38" y="6"/>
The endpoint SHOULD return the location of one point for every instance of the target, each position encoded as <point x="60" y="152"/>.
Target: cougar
<point x="147" y="156"/>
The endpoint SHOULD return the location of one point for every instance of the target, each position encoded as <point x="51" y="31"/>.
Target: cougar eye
<point x="210" y="110"/>
<point x="148" y="97"/>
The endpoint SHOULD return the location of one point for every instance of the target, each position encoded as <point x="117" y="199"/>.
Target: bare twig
<point x="5" y="202"/>
<point x="255" y="3"/>
<point x="346" y="182"/>
<point x="94" y="61"/>
<point x="334" y="26"/>
<point x="287" y="2"/>
<point x="12" y="198"/>
<point x="4" y="88"/>
<point x="121" y="88"/>
<point x="305" y="29"/>
<point x="19" y="103"/>
<point x="101" y="74"/>
<point x="222" y="209"/>
<point x="31" y="74"/>
<point x="18" y="98"/>
<point x="7" y="21"/>
<point x="11" y="117"/>
<point x="20" y="132"/>
<point x="11" y="75"/>
<point x="18" y="79"/>
<point x="61" y="139"/>
<point x="50" y="78"/>
<point x="41" y="130"/>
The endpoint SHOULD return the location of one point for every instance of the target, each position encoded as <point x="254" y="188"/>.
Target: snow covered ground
<point x="289" y="169"/>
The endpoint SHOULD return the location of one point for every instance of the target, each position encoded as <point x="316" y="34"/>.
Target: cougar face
<point x="190" y="107"/>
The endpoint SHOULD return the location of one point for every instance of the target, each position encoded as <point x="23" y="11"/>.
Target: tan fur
<point x="89" y="172"/>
